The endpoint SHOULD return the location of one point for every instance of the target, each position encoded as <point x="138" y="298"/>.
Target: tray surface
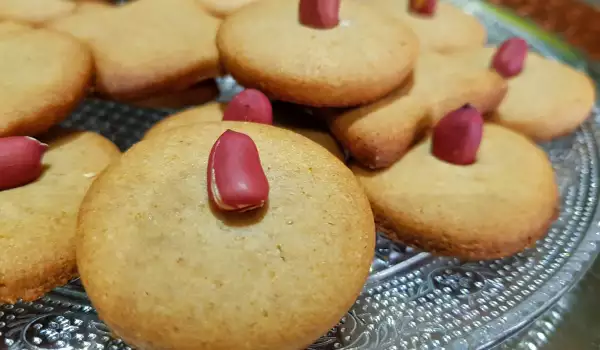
<point x="412" y="300"/>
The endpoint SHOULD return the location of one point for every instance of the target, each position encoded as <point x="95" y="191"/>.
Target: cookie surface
<point x="147" y="46"/>
<point x="37" y="235"/>
<point x="547" y="100"/>
<point x="151" y="210"/>
<point x="35" y="11"/>
<point x="380" y="133"/>
<point x="449" y="29"/>
<point x="213" y="112"/>
<point x="493" y="208"/>
<point x="44" y="77"/>
<point x="195" y="95"/>
<point x="11" y="27"/>
<point x="362" y="59"/>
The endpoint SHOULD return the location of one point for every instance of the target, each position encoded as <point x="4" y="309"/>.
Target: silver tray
<point x="412" y="299"/>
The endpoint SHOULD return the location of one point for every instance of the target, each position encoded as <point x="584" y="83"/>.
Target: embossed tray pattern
<point x="412" y="300"/>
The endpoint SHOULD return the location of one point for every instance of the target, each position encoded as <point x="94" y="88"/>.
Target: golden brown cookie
<point x="223" y="8"/>
<point x="195" y="95"/>
<point x="546" y="100"/>
<point x="35" y="11"/>
<point x="148" y="46"/>
<point x="44" y="77"/>
<point x="362" y="59"/>
<point x="92" y="5"/>
<point x="493" y="208"/>
<point x="213" y="112"/>
<point x="37" y="234"/>
<point x="148" y="219"/>
<point x="380" y="133"/>
<point x="449" y="29"/>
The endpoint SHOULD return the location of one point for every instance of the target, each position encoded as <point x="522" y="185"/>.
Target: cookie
<point x="448" y="29"/>
<point x="148" y="46"/>
<point x="39" y="219"/>
<point x="546" y="100"/>
<point x="196" y="95"/>
<point x="379" y="134"/>
<point x="493" y="208"/>
<point x="222" y="9"/>
<point x="35" y="12"/>
<point x="44" y="77"/>
<point x="362" y="59"/>
<point x="213" y="112"/>
<point x="152" y="212"/>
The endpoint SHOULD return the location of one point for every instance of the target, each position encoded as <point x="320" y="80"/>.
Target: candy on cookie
<point x="45" y="76"/>
<point x="147" y="47"/>
<point x="152" y="208"/>
<point x="236" y="180"/>
<point x="265" y="45"/>
<point x="469" y="190"/>
<point x="546" y="99"/>
<point x="440" y="26"/>
<point x="41" y="188"/>
<point x="379" y="134"/>
<point x="20" y="161"/>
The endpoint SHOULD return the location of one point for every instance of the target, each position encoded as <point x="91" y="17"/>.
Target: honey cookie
<point x="379" y="134"/>
<point x="213" y="112"/>
<point x="446" y="29"/>
<point x="147" y="47"/>
<point x="469" y="191"/>
<point x="195" y="95"/>
<point x="361" y="59"/>
<point x="35" y="12"/>
<point x="222" y="9"/>
<point x="152" y="210"/>
<point x="37" y="235"/>
<point x="44" y="77"/>
<point x="547" y="99"/>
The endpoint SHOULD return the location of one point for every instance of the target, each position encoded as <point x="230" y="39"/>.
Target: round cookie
<point x="37" y="237"/>
<point x="213" y="112"/>
<point x="493" y="208"/>
<point x="366" y="56"/>
<point x="148" y="219"/>
<point x="44" y="77"/>
<point x="548" y="99"/>
<point x="449" y="29"/>
<point x="223" y="8"/>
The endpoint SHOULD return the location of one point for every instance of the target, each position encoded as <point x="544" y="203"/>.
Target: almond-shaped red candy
<point x="319" y="14"/>
<point x="509" y="58"/>
<point x="457" y="136"/>
<point x="235" y="177"/>
<point x="249" y="105"/>
<point x="20" y="161"/>
<point x="423" y="7"/>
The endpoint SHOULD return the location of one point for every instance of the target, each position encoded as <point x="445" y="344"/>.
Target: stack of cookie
<point x="212" y="227"/>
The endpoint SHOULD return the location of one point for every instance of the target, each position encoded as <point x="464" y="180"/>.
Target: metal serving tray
<point x="412" y="300"/>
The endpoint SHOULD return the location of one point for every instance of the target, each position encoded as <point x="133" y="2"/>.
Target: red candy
<point x="250" y="106"/>
<point x="20" y="161"/>
<point x="320" y="14"/>
<point x="423" y="7"/>
<point x="509" y="59"/>
<point x="457" y="136"/>
<point x="235" y="177"/>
